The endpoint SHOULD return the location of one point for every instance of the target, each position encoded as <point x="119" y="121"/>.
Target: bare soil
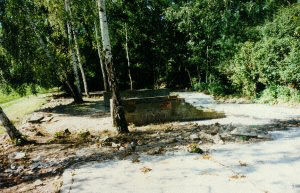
<point x="71" y="134"/>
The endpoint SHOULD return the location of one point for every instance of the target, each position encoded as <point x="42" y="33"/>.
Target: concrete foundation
<point x="143" y="111"/>
<point x="136" y="94"/>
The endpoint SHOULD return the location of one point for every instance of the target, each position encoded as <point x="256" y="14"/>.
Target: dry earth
<point x="69" y="135"/>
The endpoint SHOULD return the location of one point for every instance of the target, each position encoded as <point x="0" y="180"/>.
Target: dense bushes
<point x="272" y="62"/>
<point x="279" y="94"/>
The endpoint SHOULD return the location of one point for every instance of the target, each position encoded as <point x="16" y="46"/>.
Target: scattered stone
<point x="38" y="183"/>
<point x="38" y="158"/>
<point x="13" y="166"/>
<point x="205" y="136"/>
<point x="34" y="166"/>
<point x="244" y="131"/>
<point x="169" y="141"/>
<point x="104" y="139"/>
<point x="194" y="137"/>
<point x="155" y="151"/>
<point x="140" y="143"/>
<point x="243" y="164"/>
<point x="36" y="118"/>
<point x="115" y="145"/>
<point x="264" y="136"/>
<point x="132" y="146"/>
<point x="47" y="119"/>
<point x="39" y="134"/>
<point x="122" y="148"/>
<point x="217" y="139"/>
<point x="135" y="159"/>
<point x="214" y="129"/>
<point x="17" y="155"/>
<point x="67" y="132"/>
<point x="193" y="148"/>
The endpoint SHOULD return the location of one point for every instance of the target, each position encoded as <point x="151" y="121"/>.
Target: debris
<point x="193" y="148"/>
<point x="38" y="183"/>
<point x="39" y="134"/>
<point x="17" y="155"/>
<point x="115" y="145"/>
<point x="217" y="139"/>
<point x="36" y="118"/>
<point x="243" y="164"/>
<point x="194" y="137"/>
<point x="237" y="176"/>
<point x="145" y="169"/>
<point x="155" y="151"/>
<point x="206" y="157"/>
<point x="244" y="131"/>
<point x="47" y="119"/>
<point x="135" y="159"/>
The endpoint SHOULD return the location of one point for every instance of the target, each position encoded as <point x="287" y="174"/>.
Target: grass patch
<point x="7" y="98"/>
<point x="17" y="109"/>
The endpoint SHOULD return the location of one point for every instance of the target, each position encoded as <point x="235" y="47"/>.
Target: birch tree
<point x="100" y="54"/>
<point x="11" y="130"/>
<point x="127" y="56"/>
<point x="72" y="26"/>
<point x="117" y="109"/>
<point x="70" y="37"/>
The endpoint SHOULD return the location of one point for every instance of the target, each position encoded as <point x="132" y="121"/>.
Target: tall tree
<point x="127" y="56"/>
<point x="100" y="54"/>
<point x="117" y="109"/>
<point x="70" y="37"/>
<point x="79" y="61"/>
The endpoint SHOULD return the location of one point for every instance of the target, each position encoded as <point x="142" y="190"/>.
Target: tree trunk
<point x="127" y="56"/>
<point x="206" y="69"/>
<point x="86" y="90"/>
<point x="103" y="69"/>
<point x="118" y="110"/>
<point x="75" y="65"/>
<point x="78" y="53"/>
<point x="11" y="130"/>
<point x="190" y="77"/>
<point x="76" y="95"/>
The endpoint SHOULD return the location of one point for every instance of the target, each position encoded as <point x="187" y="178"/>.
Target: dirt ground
<point x="68" y="134"/>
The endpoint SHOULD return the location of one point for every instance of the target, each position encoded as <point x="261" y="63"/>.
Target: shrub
<point x="279" y="94"/>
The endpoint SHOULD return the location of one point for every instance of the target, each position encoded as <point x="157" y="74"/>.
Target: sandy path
<point x="272" y="166"/>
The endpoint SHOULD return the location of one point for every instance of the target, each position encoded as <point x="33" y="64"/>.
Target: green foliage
<point x="271" y="62"/>
<point x="279" y="94"/>
<point x="214" y="46"/>
<point x="214" y="88"/>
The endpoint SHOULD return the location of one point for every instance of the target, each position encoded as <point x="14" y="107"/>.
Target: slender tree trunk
<point x="76" y="95"/>
<point x="86" y="90"/>
<point x="190" y="77"/>
<point x="118" y="110"/>
<point x="206" y="73"/>
<point x="103" y="69"/>
<point x="75" y="65"/>
<point x="11" y="130"/>
<point x="199" y="74"/>
<point x="127" y="56"/>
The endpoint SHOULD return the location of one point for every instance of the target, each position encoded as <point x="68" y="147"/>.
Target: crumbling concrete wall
<point x="142" y="111"/>
<point x="137" y="94"/>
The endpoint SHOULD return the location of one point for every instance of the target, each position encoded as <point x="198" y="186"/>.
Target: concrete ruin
<point x="144" y="93"/>
<point x="160" y="109"/>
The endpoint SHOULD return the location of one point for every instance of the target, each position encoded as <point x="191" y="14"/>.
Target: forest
<point x="223" y="47"/>
<point x="135" y="84"/>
